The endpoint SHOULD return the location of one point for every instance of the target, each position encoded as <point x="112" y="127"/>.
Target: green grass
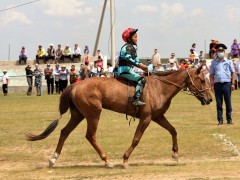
<point x="200" y="148"/>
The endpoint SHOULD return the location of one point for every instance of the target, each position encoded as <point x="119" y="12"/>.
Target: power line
<point x="18" y="5"/>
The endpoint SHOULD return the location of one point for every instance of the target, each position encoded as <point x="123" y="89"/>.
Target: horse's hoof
<point x="125" y="166"/>
<point x="109" y="165"/>
<point x="51" y="162"/>
<point x="175" y="157"/>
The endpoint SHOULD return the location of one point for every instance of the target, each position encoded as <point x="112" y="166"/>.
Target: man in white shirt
<point x="172" y="59"/>
<point x="98" y="53"/>
<point x="156" y="58"/>
<point x="76" y="53"/>
<point x="5" y="80"/>
<point x="57" y="75"/>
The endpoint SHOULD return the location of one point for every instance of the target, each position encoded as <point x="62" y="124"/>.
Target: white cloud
<point x="145" y="8"/>
<point x="14" y="16"/>
<point x="233" y="13"/>
<point x="169" y="10"/>
<point x="68" y="8"/>
<point x="196" y="12"/>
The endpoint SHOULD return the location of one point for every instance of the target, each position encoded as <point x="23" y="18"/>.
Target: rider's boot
<point x="138" y="102"/>
<point x="139" y="92"/>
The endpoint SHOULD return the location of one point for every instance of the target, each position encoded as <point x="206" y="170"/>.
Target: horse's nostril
<point x="210" y="100"/>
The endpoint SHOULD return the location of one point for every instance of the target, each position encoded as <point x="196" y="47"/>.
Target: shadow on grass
<point x="116" y="166"/>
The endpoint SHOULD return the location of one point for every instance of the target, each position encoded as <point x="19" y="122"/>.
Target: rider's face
<point x="134" y="38"/>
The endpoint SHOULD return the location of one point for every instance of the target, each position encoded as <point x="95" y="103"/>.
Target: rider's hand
<point x="143" y="67"/>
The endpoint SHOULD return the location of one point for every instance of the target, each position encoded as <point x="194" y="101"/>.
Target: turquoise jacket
<point x="127" y="59"/>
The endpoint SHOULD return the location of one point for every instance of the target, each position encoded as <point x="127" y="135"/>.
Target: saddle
<point x="126" y="81"/>
<point x="130" y="98"/>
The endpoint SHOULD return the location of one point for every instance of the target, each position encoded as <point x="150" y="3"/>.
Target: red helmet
<point x="128" y="33"/>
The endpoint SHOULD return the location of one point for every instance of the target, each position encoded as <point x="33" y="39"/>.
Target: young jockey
<point x="128" y="59"/>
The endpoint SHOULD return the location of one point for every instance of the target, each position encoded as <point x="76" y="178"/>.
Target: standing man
<point x="29" y="75"/>
<point x="238" y="73"/>
<point x="38" y="79"/>
<point x="5" y="80"/>
<point x="156" y="58"/>
<point x="72" y="74"/>
<point x="57" y="75"/>
<point x="222" y="81"/>
<point x="63" y="80"/>
<point x="48" y="72"/>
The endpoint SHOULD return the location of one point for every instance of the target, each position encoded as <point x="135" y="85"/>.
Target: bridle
<point x="188" y="91"/>
<point x="199" y="91"/>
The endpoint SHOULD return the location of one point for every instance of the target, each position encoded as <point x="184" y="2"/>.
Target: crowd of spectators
<point x="60" y="76"/>
<point x="55" y="55"/>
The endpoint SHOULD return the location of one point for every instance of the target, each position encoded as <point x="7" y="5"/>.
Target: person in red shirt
<point x="183" y="64"/>
<point x="99" y="63"/>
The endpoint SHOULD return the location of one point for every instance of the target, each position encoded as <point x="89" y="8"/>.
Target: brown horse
<point x="87" y="98"/>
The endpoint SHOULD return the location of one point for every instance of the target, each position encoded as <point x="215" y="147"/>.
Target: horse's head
<point x="198" y="86"/>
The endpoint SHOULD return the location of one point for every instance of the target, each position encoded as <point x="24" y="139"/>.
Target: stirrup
<point x="137" y="102"/>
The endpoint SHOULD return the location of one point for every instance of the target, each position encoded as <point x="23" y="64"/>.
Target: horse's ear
<point x="199" y="70"/>
<point x="200" y="73"/>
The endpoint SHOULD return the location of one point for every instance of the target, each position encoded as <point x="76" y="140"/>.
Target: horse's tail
<point x="64" y="104"/>
<point x="65" y="99"/>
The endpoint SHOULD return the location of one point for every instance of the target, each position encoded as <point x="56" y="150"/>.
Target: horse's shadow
<point x="116" y="166"/>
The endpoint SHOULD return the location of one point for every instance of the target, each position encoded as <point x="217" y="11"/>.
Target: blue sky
<point x="168" y="25"/>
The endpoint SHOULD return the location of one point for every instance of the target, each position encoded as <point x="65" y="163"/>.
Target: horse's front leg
<point x="143" y="124"/>
<point x="162" y="121"/>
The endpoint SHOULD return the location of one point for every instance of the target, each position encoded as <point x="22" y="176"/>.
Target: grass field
<point x="207" y="151"/>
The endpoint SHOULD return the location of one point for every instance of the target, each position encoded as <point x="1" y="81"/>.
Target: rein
<point x="189" y="92"/>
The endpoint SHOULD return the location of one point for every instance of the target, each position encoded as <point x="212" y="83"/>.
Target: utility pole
<point x="100" y="27"/>
<point x="112" y="32"/>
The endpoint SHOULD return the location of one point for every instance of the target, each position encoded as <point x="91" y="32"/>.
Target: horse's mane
<point x="166" y="73"/>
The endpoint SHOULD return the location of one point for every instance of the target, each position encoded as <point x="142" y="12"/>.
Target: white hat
<point x="50" y="44"/>
<point x="212" y="39"/>
<point x="63" y="66"/>
<point x="4" y="70"/>
<point x="36" y="64"/>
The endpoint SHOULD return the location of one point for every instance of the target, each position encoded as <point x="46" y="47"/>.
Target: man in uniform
<point x="222" y="80"/>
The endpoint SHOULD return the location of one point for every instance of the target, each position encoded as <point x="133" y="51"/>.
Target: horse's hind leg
<point x="162" y="121"/>
<point x="92" y="124"/>
<point x="76" y="118"/>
